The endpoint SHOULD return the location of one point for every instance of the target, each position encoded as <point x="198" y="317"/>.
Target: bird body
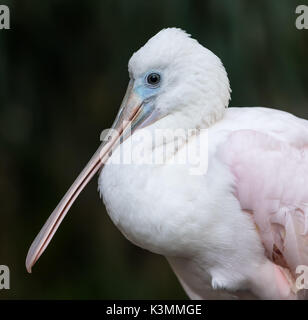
<point x="197" y="221"/>
<point x="232" y="224"/>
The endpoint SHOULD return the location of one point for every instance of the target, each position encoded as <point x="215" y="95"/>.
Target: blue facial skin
<point x="145" y="90"/>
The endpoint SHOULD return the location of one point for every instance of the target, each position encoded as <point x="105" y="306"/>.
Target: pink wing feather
<point x="271" y="182"/>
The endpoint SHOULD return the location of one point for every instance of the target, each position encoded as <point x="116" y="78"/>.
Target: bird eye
<point x="153" y="79"/>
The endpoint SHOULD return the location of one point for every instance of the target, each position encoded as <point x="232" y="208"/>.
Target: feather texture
<point x="271" y="179"/>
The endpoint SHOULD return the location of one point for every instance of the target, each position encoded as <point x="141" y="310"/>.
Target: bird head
<point x="178" y="80"/>
<point x="175" y="83"/>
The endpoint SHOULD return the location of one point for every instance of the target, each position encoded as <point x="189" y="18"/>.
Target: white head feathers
<point x="196" y="86"/>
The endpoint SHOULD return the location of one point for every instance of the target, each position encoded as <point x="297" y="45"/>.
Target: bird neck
<point x="178" y="127"/>
<point x="197" y="116"/>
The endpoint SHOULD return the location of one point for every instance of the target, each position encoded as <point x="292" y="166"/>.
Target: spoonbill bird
<point x="237" y="229"/>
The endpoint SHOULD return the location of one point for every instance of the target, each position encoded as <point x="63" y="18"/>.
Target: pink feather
<point x="271" y="182"/>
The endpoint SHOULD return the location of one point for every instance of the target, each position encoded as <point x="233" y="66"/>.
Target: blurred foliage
<point x="63" y="72"/>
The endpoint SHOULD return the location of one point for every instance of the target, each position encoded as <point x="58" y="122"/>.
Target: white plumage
<point x="218" y="229"/>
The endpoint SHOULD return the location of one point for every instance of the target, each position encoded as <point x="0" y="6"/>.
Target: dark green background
<point x="63" y="72"/>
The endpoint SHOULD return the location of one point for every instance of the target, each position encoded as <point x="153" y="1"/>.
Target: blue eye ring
<point x="153" y="79"/>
